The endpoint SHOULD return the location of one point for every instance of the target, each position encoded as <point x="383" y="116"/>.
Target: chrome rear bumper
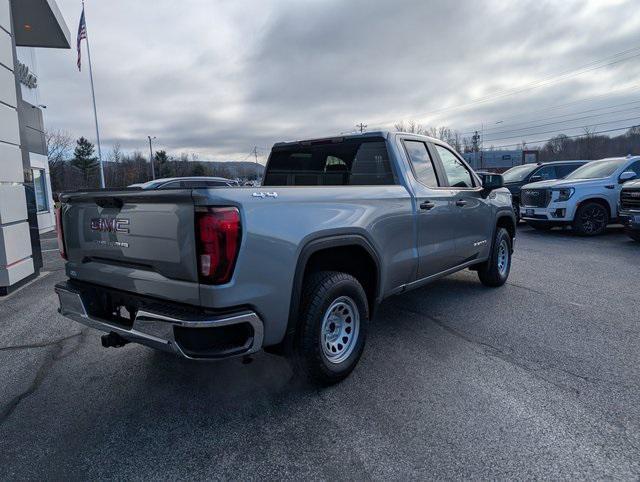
<point x="157" y="330"/>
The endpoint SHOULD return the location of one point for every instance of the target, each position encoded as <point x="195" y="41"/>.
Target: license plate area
<point x="529" y="212"/>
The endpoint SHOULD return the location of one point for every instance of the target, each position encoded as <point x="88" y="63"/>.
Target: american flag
<point x="82" y="34"/>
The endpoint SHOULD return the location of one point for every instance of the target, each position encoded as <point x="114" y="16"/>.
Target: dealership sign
<point x="25" y="76"/>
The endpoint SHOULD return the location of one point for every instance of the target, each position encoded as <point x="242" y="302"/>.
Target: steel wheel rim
<point x="340" y="329"/>
<point x="593" y="220"/>
<point x="503" y="257"/>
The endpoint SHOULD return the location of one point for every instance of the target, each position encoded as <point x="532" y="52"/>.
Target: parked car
<point x="297" y="266"/>
<point x="630" y="208"/>
<point x="587" y="199"/>
<point x="518" y="176"/>
<point x="185" y="182"/>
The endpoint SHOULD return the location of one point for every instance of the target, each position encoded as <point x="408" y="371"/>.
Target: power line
<point x="544" y="82"/>
<point x="568" y="128"/>
<point x="555" y="117"/>
<point x="561" y="122"/>
<point x="361" y="127"/>
<point x="565" y="137"/>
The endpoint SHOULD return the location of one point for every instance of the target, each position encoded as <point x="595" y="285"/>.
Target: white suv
<point x="587" y="199"/>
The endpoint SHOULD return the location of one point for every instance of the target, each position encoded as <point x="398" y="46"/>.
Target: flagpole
<point x="95" y="111"/>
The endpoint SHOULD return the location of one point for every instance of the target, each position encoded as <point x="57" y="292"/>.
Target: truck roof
<point x="353" y="135"/>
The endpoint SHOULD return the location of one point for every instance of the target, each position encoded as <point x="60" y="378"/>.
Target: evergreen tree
<point x="198" y="169"/>
<point x="162" y="164"/>
<point x="84" y="159"/>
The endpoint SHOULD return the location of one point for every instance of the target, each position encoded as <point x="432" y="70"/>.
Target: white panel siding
<point x="7" y="87"/>
<point x="6" y="50"/>
<point x="15" y="243"/>
<point x="13" y="207"/>
<point x="10" y="164"/>
<point x="19" y="271"/>
<point x="9" y="130"/>
<point x="5" y="15"/>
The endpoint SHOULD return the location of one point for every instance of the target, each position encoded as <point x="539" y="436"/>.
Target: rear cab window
<point x="421" y="163"/>
<point x="331" y="162"/>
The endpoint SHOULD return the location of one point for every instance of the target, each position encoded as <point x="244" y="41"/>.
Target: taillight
<point x="60" y="233"/>
<point x="218" y="233"/>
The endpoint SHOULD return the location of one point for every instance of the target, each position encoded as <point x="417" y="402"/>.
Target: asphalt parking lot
<point x="538" y="379"/>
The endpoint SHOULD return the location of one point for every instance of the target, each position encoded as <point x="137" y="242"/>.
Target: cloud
<point x="217" y="78"/>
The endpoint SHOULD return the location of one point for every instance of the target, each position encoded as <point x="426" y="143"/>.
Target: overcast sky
<point x="218" y="77"/>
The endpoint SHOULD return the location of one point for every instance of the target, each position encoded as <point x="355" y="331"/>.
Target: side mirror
<point x="491" y="182"/>
<point x="627" y="176"/>
<point x="535" y="178"/>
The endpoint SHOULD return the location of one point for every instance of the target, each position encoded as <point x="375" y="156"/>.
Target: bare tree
<point x="411" y="127"/>
<point x="60" y="146"/>
<point x="115" y="155"/>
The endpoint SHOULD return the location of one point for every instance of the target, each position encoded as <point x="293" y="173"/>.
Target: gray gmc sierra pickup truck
<point x="296" y="266"/>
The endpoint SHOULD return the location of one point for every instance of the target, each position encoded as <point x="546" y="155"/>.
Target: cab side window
<point x="564" y="170"/>
<point x="546" y="173"/>
<point x="457" y="173"/>
<point x="422" y="163"/>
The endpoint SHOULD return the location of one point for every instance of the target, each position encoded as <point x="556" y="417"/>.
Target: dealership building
<point x="26" y="205"/>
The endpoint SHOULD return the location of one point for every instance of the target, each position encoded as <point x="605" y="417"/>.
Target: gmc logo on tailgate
<point x="110" y="225"/>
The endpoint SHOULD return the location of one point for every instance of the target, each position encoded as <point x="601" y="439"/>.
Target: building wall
<point x="16" y="260"/>
<point x="33" y="140"/>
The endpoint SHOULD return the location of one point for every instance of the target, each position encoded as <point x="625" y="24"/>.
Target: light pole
<point x="153" y="171"/>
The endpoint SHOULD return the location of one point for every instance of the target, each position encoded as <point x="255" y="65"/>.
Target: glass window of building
<point x="40" y="187"/>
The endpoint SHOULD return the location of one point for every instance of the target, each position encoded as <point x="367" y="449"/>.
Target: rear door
<point x="435" y="240"/>
<point x="141" y="241"/>
<point x="471" y="213"/>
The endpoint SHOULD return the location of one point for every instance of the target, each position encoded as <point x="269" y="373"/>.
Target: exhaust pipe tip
<point x="114" y="340"/>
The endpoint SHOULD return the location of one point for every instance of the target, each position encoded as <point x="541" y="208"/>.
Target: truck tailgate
<point x="140" y="241"/>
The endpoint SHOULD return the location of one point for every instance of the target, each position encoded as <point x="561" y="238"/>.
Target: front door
<point x="471" y="222"/>
<point x="435" y="241"/>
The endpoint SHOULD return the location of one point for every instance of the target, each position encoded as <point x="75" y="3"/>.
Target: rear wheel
<point x="332" y="329"/>
<point x="591" y="219"/>
<point x="495" y="271"/>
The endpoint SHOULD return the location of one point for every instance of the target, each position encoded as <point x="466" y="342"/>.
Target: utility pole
<point x="255" y="153"/>
<point x="361" y="127"/>
<point x="153" y="170"/>
<point x="475" y="143"/>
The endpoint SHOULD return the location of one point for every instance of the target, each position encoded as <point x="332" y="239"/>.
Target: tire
<point x="540" y="225"/>
<point x="591" y="219"/>
<point x="516" y="210"/>
<point x="495" y="271"/>
<point x="332" y="328"/>
<point x="635" y="235"/>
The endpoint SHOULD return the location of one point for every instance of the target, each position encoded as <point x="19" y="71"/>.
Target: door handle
<point x="461" y="202"/>
<point x="427" y="205"/>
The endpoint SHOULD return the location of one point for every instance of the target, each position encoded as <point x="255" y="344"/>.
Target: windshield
<point x="518" y="173"/>
<point x="597" y="169"/>
<point x="148" y="184"/>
